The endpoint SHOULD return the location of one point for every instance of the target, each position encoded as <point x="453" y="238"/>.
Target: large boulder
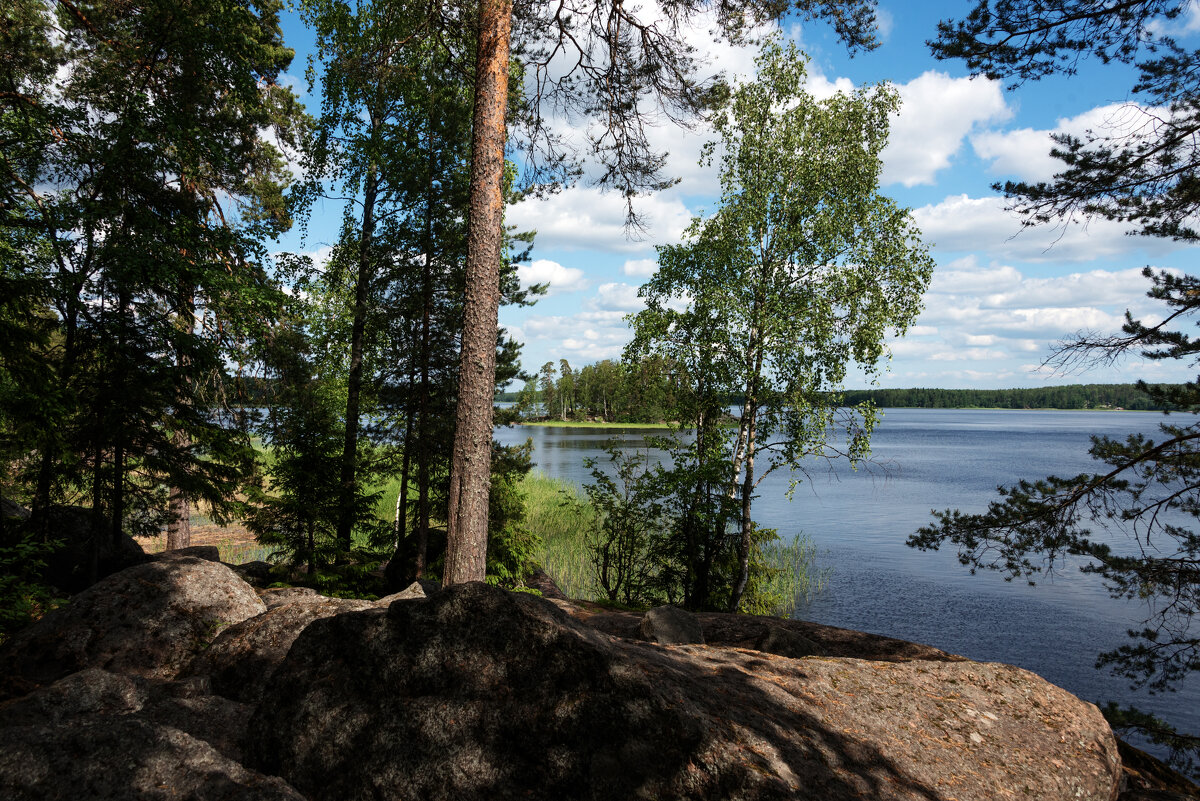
<point x="11" y="512"/>
<point x="124" y="757"/>
<point x="149" y="620"/>
<point x="101" y="735"/>
<point x="477" y="693"/>
<point x="243" y="656"/>
<point x="670" y="625"/>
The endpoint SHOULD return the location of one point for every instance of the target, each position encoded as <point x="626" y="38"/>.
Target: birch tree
<point x="803" y="271"/>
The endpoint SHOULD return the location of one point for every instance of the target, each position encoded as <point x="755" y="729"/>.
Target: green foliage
<point x="782" y="574"/>
<point x="660" y="536"/>
<point x="24" y="595"/>
<point x="512" y="542"/>
<point x="624" y="545"/>
<point x="1073" y="396"/>
<point x="297" y="513"/>
<point x="1181" y="748"/>
<point x="606" y="391"/>
<point x="804" y="270"/>
<point x="562" y="519"/>
<point x="137" y="187"/>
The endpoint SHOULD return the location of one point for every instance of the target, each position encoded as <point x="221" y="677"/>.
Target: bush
<point x="24" y="595"/>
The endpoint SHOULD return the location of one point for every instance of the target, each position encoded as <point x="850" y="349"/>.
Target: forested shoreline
<point x="1112" y="397"/>
<point x="622" y="388"/>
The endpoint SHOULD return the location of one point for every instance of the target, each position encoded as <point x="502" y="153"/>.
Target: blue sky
<point x="1000" y="297"/>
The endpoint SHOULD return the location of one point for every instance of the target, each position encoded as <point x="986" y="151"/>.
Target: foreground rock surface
<point x="243" y="656"/>
<point x="149" y="620"/>
<point x="100" y="735"/>
<point x="474" y="693"/>
<point x="477" y="693"/>
<point x="124" y="757"/>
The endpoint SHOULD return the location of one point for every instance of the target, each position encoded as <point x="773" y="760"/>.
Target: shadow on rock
<point x="481" y="694"/>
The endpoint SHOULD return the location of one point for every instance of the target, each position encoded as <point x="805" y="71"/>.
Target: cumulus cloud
<point x="582" y="338"/>
<point x="617" y="297"/>
<point x="1025" y="152"/>
<point x="586" y="218"/>
<point x="1185" y="24"/>
<point x="1003" y="323"/>
<point x="640" y="268"/>
<point x="936" y="115"/>
<point x="561" y="279"/>
<point x="962" y="223"/>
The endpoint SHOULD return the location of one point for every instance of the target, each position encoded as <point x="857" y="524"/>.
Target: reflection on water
<point x="926" y="459"/>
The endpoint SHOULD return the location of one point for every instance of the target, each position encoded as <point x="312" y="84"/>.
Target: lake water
<point x="936" y="459"/>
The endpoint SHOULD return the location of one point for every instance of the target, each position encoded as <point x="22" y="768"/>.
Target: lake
<point x="936" y="459"/>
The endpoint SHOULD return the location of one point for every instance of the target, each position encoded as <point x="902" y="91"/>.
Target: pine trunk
<point x="470" y="469"/>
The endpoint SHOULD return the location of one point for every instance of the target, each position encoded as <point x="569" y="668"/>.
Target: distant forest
<point x="1074" y="396"/>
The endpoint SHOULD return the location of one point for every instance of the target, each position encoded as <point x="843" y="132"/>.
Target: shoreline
<point x="597" y="424"/>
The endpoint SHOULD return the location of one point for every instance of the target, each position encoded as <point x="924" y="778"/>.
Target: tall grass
<point x="560" y="517"/>
<point x="385" y="504"/>
<point x="786" y="576"/>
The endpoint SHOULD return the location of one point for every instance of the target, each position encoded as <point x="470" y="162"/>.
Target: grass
<point x="789" y="576"/>
<point x="559" y="515"/>
<point x="594" y="424"/>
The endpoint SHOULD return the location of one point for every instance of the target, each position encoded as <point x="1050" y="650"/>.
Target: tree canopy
<point x="801" y="272"/>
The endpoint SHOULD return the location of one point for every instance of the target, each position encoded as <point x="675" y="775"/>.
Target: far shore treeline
<point x="616" y="392"/>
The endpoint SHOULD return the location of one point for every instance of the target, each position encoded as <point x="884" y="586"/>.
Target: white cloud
<point x="292" y="157"/>
<point x="640" y="268"/>
<point x="712" y="56"/>
<point x="1095" y="288"/>
<point x="582" y="338"/>
<point x="1003" y="323"/>
<point x="293" y="82"/>
<point x="617" y="297"/>
<point x="962" y="223"/>
<point x="1025" y="152"/>
<point x="885" y="22"/>
<point x="936" y="114"/>
<point x="561" y="279"/>
<point x="586" y="218"/>
<point x="822" y="88"/>
<point x="1185" y="24"/>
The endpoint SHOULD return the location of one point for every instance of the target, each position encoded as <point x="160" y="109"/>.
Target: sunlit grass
<point x="593" y="424"/>
<point x="559" y="515"/>
<point x="787" y="576"/>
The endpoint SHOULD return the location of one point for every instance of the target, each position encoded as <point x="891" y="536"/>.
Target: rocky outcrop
<point x="785" y="637"/>
<point x="101" y="735"/>
<point x="477" y="693"/>
<point x="179" y="683"/>
<point x="124" y="757"/>
<point x="150" y="620"/>
<point x="11" y="512"/>
<point x="210" y="553"/>
<point x="85" y="554"/>
<point x="242" y="657"/>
